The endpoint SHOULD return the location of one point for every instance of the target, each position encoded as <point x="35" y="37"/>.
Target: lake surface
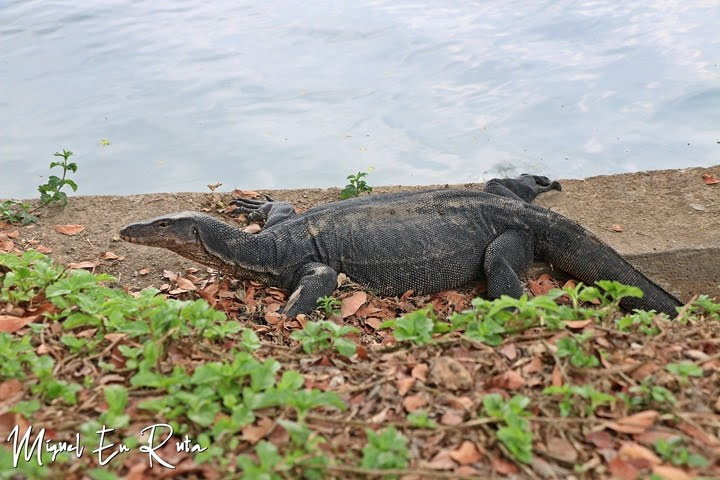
<point x="288" y="94"/>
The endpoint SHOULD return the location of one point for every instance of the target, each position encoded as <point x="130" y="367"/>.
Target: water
<point x="287" y="94"/>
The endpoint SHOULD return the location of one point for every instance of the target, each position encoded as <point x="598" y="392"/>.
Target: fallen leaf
<point x="441" y="461"/>
<point x="651" y="436"/>
<point x="214" y="186"/>
<point x="11" y="323"/>
<point x="561" y="449"/>
<point x="535" y="365"/>
<point x="404" y="385"/>
<point x="509" y="350"/>
<point x="668" y="472"/>
<point x="709" y="179"/>
<point x="252" y="229"/>
<point x="420" y="372"/>
<point x="466" y="453"/>
<point x="502" y="466"/>
<point x="6" y="245"/>
<point x="10" y="391"/>
<point x="43" y="249"/>
<point x="634" y="424"/>
<point x="698" y="434"/>
<point x="186" y="284"/>
<point x="616" y="227"/>
<point x="351" y="304"/>
<point x="578" y="324"/>
<point x="373" y="322"/>
<point x="13" y="234"/>
<point x="86" y="264"/>
<point x="601" y="439"/>
<point x="634" y="451"/>
<point x="72" y="229"/>
<point x="508" y="380"/>
<point x="144" y="271"/>
<point x="557" y="380"/>
<point x="253" y="433"/>
<point x="622" y="469"/>
<point x="108" y="256"/>
<point x="245" y="193"/>
<point x="451" y="418"/>
<point x="414" y="402"/>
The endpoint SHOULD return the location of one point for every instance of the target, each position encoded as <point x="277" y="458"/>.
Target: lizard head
<point x="179" y="232"/>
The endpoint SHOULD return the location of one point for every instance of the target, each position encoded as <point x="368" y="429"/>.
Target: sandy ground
<point x="670" y="223"/>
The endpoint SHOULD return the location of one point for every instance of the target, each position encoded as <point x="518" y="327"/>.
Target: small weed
<point x="640" y="319"/>
<point x="12" y="211"/>
<point x="684" y="370"/>
<point x="586" y="392"/>
<point x="329" y="305"/>
<point x="416" y="327"/>
<point x="646" y="394"/>
<point x="516" y="435"/>
<point x="50" y="192"/>
<point x="323" y="335"/>
<point x="386" y="449"/>
<point x="573" y="347"/>
<point x="420" y="419"/>
<point x="356" y="185"/>
<point x="672" y="450"/>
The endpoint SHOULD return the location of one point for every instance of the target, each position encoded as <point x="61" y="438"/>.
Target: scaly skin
<point x="426" y="241"/>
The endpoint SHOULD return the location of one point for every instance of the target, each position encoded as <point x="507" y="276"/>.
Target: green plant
<point x="672" y="450"/>
<point x="324" y="334"/>
<point x="13" y="211"/>
<point x="647" y="394"/>
<point x="329" y="305"/>
<point x="704" y="305"/>
<point x="640" y="319"/>
<point x="585" y="392"/>
<point x="356" y="185"/>
<point x="420" y="419"/>
<point x="573" y="347"/>
<point x="50" y="191"/>
<point x="416" y="327"/>
<point x="684" y="370"/>
<point x="386" y="449"/>
<point x="516" y="435"/>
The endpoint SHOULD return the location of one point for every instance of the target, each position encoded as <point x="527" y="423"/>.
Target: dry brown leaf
<point x="668" y="472"/>
<point x="709" y="179"/>
<point x="502" y="466"/>
<point x="72" y="229"/>
<point x="441" y="461"/>
<point x="252" y="229"/>
<point x="273" y="318"/>
<point x="186" y="284"/>
<point x="508" y="380"/>
<point x="633" y="451"/>
<point x="448" y="373"/>
<point x="87" y="264"/>
<point x="109" y="256"/>
<point x="43" y="249"/>
<point x="451" y="418"/>
<point x="144" y="271"/>
<point x="137" y="472"/>
<point x="635" y="424"/>
<point x="373" y="322"/>
<point x="601" y="439"/>
<point x="13" y="234"/>
<point x="651" y="436"/>
<point x="10" y="391"/>
<point x="6" y="245"/>
<point x="466" y="453"/>
<point x="414" y="402"/>
<point x="254" y="433"/>
<point x="561" y="449"/>
<point x="351" y="304"/>
<point x="420" y="372"/>
<point x="404" y="385"/>
<point x="622" y="469"/>
<point x="534" y="366"/>
<point x="11" y="323"/>
<point x="616" y="227"/>
<point x="245" y="193"/>
<point x="509" y="350"/>
<point x="698" y="434"/>
<point x="578" y="324"/>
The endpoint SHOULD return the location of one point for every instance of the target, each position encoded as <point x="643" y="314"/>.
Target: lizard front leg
<point x="271" y="212"/>
<point x="507" y="258"/>
<point x="525" y="187"/>
<point x="315" y="280"/>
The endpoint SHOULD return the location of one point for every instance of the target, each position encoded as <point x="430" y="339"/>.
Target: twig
<point x="374" y="472"/>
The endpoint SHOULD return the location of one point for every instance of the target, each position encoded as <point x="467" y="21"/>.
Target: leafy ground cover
<point x="448" y="385"/>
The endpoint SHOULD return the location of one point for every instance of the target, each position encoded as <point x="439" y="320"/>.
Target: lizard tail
<point x="579" y="253"/>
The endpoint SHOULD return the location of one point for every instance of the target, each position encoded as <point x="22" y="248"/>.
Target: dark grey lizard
<point x="425" y="241"/>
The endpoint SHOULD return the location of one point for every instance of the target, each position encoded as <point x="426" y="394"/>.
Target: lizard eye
<point x="163" y="224"/>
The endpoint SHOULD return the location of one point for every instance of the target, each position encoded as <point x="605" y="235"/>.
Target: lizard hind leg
<point x="316" y="280"/>
<point x="507" y="259"/>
